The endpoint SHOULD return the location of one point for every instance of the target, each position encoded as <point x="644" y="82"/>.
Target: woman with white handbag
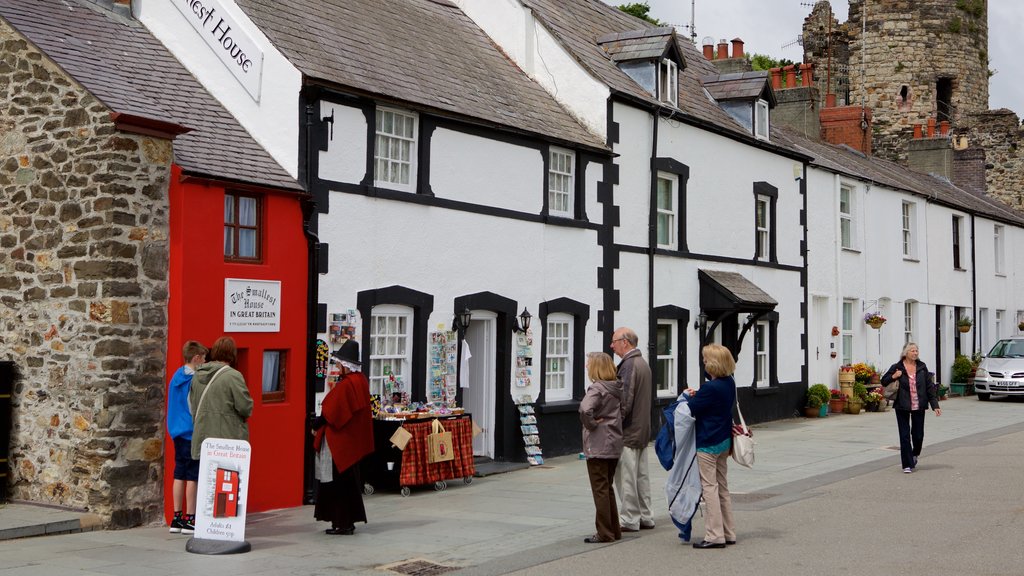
<point x="711" y="406"/>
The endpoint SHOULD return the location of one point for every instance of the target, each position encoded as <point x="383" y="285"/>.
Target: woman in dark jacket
<point x="602" y="442"/>
<point x="711" y="407"/>
<point x="916" y="393"/>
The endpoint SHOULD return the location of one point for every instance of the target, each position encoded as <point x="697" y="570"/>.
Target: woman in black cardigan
<point x="917" y="392"/>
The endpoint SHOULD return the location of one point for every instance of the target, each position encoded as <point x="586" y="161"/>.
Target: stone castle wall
<point x="1000" y="134"/>
<point x="83" y="292"/>
<point x="914" y="43"/>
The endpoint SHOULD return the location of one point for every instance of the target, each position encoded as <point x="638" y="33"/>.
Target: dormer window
<point x="761" y="120"/>
<point x="668" y="82"/>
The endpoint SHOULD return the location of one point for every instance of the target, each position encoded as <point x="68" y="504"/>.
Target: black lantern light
<point x="524" y="321"/>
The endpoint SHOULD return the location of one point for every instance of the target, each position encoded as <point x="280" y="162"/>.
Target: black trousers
<point x="911" y="427"/>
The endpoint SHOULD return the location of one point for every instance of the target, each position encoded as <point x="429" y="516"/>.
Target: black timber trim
<point x="425" y="145"/>
<point x="682" y="318"/>
<point x="606" y="233"/>
<point x="506" y="425"/>
<point x="422" y="305"/>
<point x="772" y="193"/>
<point x="682" y="172"/>
<point x="580" y="313"/>
<point x="804" y="374"/>
<point x="709" y="258"/>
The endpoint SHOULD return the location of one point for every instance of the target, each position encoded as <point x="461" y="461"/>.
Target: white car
<point x="1002" y="370"/>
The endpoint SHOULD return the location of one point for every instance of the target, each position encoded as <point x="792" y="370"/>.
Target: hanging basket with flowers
<point x="964" y="324"/>
<point x="874" y="319"/>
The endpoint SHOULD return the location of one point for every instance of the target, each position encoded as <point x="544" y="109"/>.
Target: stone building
<point x="919" y="64"/>
<point x="93" y="142"/>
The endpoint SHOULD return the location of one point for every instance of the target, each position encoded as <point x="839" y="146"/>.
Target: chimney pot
<point x="709" y="51"/>
<point x="776" y="74"/>
<point x="918" y="131"/>
<point x="790" y="76"/>
<point x="931" y="127"/>
<point x="806" y="74"/>
<point x="723" y="49"/>
<point x="944" y="128"/>
<point x="830" y="100"/>
<point x="737" y="48"/>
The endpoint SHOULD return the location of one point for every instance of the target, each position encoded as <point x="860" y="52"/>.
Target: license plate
<point x="1008" y="383"/>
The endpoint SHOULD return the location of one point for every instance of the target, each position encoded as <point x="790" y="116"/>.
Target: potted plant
<point x="817" y="400"/>
<point x="964" y="323"/>
<point x="958" y="375"/>
<point x="862" y="373"/>
<point x="873" y="401"/>
<point x="837" y="401"/>
<point x="874" y="319"/>
<point x="856" y="401"/>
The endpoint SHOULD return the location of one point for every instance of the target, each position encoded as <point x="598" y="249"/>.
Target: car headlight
<point x="981" y="373"/>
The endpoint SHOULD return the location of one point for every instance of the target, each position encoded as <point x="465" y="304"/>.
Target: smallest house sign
<point x="252" y="305"/>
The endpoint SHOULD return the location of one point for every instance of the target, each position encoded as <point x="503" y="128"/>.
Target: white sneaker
<point x="908" y="470"/>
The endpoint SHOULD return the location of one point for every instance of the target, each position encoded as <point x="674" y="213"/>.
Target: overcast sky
<point x="766" y="25"/>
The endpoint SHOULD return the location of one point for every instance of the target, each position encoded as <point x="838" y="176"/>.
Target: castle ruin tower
<point x="911" y="60"/>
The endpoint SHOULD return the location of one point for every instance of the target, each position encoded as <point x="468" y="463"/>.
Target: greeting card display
<point x="443" y="355"/>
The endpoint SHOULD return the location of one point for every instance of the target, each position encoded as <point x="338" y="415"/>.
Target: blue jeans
<point x="911" y="427"/>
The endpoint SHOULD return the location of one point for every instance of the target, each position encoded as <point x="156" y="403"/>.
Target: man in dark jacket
<point x="632" y="482"/>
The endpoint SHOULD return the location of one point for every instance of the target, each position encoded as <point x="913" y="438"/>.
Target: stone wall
<point x="83" y="292"/>
<point x="1000" y="133"/>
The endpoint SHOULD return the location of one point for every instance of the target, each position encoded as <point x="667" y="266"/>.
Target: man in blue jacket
<point x="179" y="427"/>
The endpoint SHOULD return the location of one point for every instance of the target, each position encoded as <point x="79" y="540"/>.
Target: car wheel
<point x="983" y="396"/>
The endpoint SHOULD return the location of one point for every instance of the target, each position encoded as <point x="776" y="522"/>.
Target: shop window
<point x="274" y="364"/>
<point x="666" y="370"/>
<point x="242" y="216"/>
<point x="395" y="150"/>
<point x="561" y="182"/>
<point x="668" y="210"/>
<point x="390" y="348"/>
<point x="558" y="367"/>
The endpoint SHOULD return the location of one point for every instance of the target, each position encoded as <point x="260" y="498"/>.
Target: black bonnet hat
<point x="349" y="352"/>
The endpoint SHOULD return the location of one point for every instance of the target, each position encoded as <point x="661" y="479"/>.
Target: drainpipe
<point x="976" y="339"/>
<point x="309" y="215"/>
<point x="652" y="245"/>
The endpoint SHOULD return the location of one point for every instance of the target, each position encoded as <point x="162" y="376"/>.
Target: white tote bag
<point x="742" y="441"/>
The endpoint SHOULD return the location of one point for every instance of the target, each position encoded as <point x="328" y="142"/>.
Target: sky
<point x="766" y="25"/>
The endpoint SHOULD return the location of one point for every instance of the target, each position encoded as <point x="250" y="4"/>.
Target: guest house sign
<point x="252" y="305"/>
<point x="229" y="43"/>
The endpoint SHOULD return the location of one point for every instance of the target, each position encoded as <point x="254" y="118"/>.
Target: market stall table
<point x="393" y="469"/>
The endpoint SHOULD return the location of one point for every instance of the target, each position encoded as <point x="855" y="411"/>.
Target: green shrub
<point x="817" y="395"/>
<point x="860" y="391"/>
<point x="961" y="371"/>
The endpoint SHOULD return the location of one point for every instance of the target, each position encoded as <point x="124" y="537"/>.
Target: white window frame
<point x="1000" y="315"/>
<point x="999" y="248"/>
<point x="908" y="321"/>
<point x="847" y="334"/>
<point x="909" y="238"/>
<point x="561" y="182"/>
<point x="669" y="216"/>
<point x="385" y="164"/>
<point x="762" y="119"/>
<point x="668" y="82"/>
<point x="762" y="366"/>
<point x="669" y="387"/>
<point x="558" y="365"/>
<point x="762" y="229"/>
<point x="847" y="219"/>
<point x="393" y="356"/>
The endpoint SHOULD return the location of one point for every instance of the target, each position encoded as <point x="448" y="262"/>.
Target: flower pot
<point x="811" y="412"/>
<point x="853" y="407"/>
<point x="871" y="406"/>
<point x="836" y="405"/>
<point x="823" y="411"/>
<point x="876" y="323"/>
<point x="964" y="329"/>
<point x="957" y="389"/>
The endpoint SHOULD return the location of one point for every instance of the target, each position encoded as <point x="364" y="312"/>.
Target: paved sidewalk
<point x="511" y="521"/>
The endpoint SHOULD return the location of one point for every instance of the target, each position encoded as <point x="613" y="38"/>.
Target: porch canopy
<point x="730" y="292"/>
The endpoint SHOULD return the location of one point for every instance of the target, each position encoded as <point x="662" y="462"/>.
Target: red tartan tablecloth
<point x="415" y="469"/>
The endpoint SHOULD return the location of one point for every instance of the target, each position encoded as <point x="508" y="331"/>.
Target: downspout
<point x="975" y="340"/>
<point x="805" y="280"/>
<point x="309" y="214"/>
<point x="652" y="245"/>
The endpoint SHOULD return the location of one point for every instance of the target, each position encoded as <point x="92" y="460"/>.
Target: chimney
<point x="709" y="49"/>
<point x="737" y="48"/>
<point x="776" y="78"/>
<point x="969" y="169"/>
<point x="805" y="75"/>
<point x="932" y="155"/>
<point x="931" y="127"/>
<point x="850" y="125"/>
<point x="723" y="49"/>
<point x="790" y="75"/>
<point x="797" y="108"/>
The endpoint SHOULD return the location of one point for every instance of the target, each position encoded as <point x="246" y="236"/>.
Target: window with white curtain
<point x="561" y="182"/>
<point x="558" y="367"/>
<point x="274" y="364"/>
<point x="241" y="227"/>
<point x="390" y="348"/>
<point x="395" y="150"/>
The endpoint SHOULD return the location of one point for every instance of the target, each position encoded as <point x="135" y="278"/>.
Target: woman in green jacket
<point x="219" y="398"/>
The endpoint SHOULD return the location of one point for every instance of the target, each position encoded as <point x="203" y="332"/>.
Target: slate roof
<point x="735" y="287"/>
<point x="120" y="63"/>
<point x="845" y="160"/>
<point x="425" y="52"/>
<point x="740" y="86"/>
<point x="579" y="24"/>
<point x="638" y="44"/>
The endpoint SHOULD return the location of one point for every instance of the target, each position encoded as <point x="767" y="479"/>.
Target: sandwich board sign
<point x="221" y="501"/>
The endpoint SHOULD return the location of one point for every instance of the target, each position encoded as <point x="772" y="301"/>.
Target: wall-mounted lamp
<point x="524" y="321"/>
<point x="798" y="171"/>
<point x="701" y="320"/>
<point x="461" y="321"/>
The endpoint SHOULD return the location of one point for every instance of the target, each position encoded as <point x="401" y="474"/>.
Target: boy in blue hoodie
<point x="179" y="427"/>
